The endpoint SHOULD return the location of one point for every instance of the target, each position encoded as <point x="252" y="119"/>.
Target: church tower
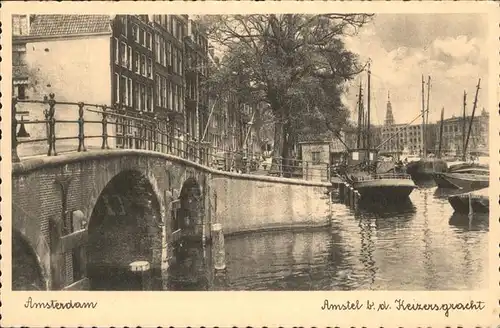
<point x="389" y="118"/>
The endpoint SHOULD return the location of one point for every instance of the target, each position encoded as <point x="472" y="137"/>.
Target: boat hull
<point x="394" y="189"/>
<point x="424" y="169"/>
<point x="461" y="181"/>
<point x="479" y="201"/>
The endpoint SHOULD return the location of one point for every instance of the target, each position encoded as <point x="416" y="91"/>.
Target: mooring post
<point x="471" y="210"/>
<point x="347" y="196"/>
<point x="141" y="271"/>
<point x="218" y="247"/>
<point x="357" y="196"/>
<point x="341" y="191"/>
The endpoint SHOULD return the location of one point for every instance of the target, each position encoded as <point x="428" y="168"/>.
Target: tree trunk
<point x="278" y="147"/>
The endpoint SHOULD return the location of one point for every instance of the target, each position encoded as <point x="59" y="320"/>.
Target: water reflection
<point x="415" y="245"/>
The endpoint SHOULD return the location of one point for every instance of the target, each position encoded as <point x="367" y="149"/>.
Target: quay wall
<point x="249" y="203"/>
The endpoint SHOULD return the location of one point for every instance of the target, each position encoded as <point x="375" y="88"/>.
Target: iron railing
<point x="83" y="126"/>
<point x="401" y="176"/>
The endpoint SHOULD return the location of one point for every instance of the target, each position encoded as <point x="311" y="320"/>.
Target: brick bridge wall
<point x="37" y="198"/>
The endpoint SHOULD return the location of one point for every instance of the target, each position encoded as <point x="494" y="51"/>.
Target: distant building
<point x="454" y="135"/>
<point x="396" y="138"/>
<point x="389" y="117"/>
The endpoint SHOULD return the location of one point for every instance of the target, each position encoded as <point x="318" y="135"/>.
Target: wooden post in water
<point x="219" y="250"/>
<point x="141" y="271"/>
<point x="346" y="195"/>
<point x="351" y="194"/>
<point x="357" y="196"/>
<point x="471" y="210"/>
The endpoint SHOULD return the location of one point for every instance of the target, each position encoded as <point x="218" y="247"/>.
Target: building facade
<point x="455" y="134"/>
<point x="149" y="66"/>
<point x="83" y="73"/>
<point x="398" y="138"/>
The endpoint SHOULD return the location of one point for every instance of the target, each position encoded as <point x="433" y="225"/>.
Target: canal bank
<point x="246" y="203"/>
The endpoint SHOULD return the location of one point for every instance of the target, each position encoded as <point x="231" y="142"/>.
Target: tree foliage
<point x="298" y="64"/>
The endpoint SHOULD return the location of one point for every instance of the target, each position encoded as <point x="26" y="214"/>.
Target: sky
<point x="451" y="48"/>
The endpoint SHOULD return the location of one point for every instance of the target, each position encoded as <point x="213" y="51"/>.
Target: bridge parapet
<point x="48" y="127"/>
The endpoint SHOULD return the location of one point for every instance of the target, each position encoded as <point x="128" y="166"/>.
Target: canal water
<point x="418" y="245"/>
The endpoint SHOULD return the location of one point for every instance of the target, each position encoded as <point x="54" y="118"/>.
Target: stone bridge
<point x="77" y="214"/>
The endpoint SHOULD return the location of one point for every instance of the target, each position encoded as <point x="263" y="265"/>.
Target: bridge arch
<point x="125" y="226"/>
<point x="28" y="272"/>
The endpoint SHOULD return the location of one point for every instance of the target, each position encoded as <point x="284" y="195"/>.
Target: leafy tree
<point x="298" y="64"/>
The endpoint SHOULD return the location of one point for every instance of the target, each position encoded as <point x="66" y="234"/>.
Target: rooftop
<point x="66" y="25"/>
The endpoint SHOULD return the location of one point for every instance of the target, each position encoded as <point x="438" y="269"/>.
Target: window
<point x="136" y="62"/>
<point x="164" y="53"/>
<point x="150" y="68"/>
<point x="124" y="25"/>
<point x="135" y="33"/>
<point x="20" y="25"/>
<point x="163" y="92"/>
<point x="143" y="96"/>
<point x="148" y="41"/>
<point x="161" y="52"/>
<point x="316" y="157"/>
<point x="123" y="90"/>
<point x="157" y="48"/>
<point x="174" y="27"/>
<point x="117" y="52"/>
<point x="129" y="59"/>
<point x="181" y="98"/>
<point x="116" y="92"/>
<point x="180" y="62"/>
<point x="137" y="98"/>
<point x="143" y="65"/>
<point x="170" y="96"/>
<point x="169" y="54"/>
<point x="123" y="53"/>
<point x="150" y="99"/>
<point x="179" y="30"/>
<point x="142" y="37"/>
<point x="158" y="90"/>
<point x="129" y="92"/>
<point x="174" y="61"/>
<point x="21" y="91"/>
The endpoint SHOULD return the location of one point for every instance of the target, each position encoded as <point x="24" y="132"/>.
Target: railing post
<point x="280" y="165"/>
<point x="81" y="133"/>
<point x="15" y="157"/>
<point x="104" y="128"/>
<point x="51" y="132"/>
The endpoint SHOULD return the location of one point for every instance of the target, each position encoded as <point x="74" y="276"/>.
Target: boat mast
<point x="472" y="117"/>
<point x="422" y="133"/>
<point x="368" y="113"/>
<point x="427" y="114"/>
<point x="441" y="134"/>
<point x="360" y="114"/>
<point x="464" y="127"/>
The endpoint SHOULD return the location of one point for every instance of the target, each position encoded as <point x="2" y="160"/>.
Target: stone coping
<point x="27" y="165"/>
